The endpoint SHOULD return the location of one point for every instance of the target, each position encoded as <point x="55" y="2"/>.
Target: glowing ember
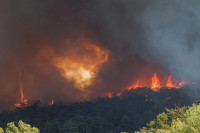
<point x="22" y="102"/>
<point x="119" y="94"/>
<point x="52" y="102"/>
<point x="81" y="66"/>
<point x="156" y="85"/>
<point x="109" y="94"/>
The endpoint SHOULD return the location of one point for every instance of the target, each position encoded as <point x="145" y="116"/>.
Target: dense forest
<point x="178" y="120"/>
<point x="127" y="113"/>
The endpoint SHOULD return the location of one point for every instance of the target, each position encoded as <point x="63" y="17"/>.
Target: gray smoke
<point x="143" y="37"/>
<point x="172" y="33"/>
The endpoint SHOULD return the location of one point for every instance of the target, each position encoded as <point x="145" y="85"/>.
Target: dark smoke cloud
<point x="143" y="37"/>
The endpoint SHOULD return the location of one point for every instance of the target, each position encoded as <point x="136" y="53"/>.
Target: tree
<point x="179" y="120"/>
<point x="21" y="128"/>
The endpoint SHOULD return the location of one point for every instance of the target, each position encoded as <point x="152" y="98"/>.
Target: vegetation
<point x="179" y="120"/>
<point x="20" y="128"/>
<point x="127" y="113"/>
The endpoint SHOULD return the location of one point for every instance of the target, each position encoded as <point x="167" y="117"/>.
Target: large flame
<point x="155" y="85"/>
<point x="22" y="102"/>
<point x="82" y="65"/>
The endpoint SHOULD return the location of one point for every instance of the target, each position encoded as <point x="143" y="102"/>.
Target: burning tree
<point x="23" y="102"/>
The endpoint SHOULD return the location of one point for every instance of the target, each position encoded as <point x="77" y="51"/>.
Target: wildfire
<point x="22" y="102"/>
<point x="109" y="94"/>
<point x="182" y="83"/>
<point x="81" y="66"/>
<point x="134" y="86"/>
<point x="156" y="85"/>
<point x="119" y="94"/>
<point x="170" y="84"/>
<point x="52" y="102"/>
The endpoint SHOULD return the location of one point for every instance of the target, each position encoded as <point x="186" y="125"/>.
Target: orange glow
<point x="119" y="94"/>
<point x="22" y="102"/>
<point x="156" y="85"/>
<point x="81" y="65"/>
<point x="134" y="86"/>
<point x="52" y="102"/>
<point x="170" y="83"/>
<point x="109" y="94"/>
<point x="21" y="90"/>
<point x="182" y="83"/>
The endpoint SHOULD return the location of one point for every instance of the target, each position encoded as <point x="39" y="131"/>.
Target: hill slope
<point x="129" y="112"/>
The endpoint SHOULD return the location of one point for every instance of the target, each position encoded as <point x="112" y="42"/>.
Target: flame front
<point x="81" y="66"/>
<point x="155" y="84"/>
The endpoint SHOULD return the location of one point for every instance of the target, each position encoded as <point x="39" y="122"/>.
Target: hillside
<point x="129" y="112"/>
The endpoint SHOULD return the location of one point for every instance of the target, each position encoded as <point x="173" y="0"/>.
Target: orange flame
<point x="52" y="102"/>
<point x="134" y="86"/>
<point x="156" y="85"/>
<point x="81" y="66"/>
<point x="119" y="94"/>
<point x="182" y="83"/>
<point x="21" y="89"/>
<point x="22" y="102"/>
<point x="170" y="83"/>
<point x="109" y="94"/>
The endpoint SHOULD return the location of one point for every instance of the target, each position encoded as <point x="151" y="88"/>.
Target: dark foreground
<point x="129" y="112"/>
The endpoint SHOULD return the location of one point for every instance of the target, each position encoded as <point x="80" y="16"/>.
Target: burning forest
<point x="67" y="52"/>
<point x="22" y="102"/>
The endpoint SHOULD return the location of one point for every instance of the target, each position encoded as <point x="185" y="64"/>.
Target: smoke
<point x="143" y="37"/>
<point x="172" y="30"/>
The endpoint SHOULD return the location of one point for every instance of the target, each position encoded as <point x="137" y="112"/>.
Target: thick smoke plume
<point x="140" y="36"/>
